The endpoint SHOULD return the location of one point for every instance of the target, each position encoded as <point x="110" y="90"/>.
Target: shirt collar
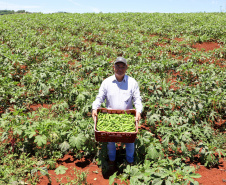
<point x="124" y="79"/>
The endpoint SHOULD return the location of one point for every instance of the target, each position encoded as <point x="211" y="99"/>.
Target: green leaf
<point x="209" y="158"/>
<point x="30" y="133"/>
<point x="200" y="106"/>
<point x="157" y="181"/>
<point x="183" y="147"/>
<point x="152" y="152"/>
<point x="43" y="170"/>
<point x="112" y="178"/>
<point x="17" y="131"/>
<point x="33" y="171"/>
<point x="61" y="170"/>
<point x="196" y="183"/>
<point x="81" y="98"/>
<point x="165" y="141"/>
<point x="195" y="175"/>
<point x="40" y="140"/>
<point x="134" y="172"/>
<point x="64" y="146"/>
<point x="78" y="141"/>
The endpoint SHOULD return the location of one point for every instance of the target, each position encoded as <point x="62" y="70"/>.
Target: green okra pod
<point x="116" y="122"/>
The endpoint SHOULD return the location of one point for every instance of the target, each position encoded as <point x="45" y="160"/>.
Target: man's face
<point x="120" y="69"/>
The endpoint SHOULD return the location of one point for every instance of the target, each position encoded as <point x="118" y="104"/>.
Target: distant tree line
<point x="4" y="12"/>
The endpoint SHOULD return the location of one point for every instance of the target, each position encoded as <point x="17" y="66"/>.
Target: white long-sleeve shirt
<point x="119" y="95"/>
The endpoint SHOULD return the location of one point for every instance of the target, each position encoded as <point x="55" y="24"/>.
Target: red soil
<point x="209" y="176"/>
<point x="179" y="39"/>
<point x="214" y="175"/>
<point x="34" y="107"/>
<point x="206" y="46"/>
<point x="173" y="79"/>
<point x="94" y="175"/>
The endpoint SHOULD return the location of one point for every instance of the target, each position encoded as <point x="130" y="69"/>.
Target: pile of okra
<point x="116" y="122"/>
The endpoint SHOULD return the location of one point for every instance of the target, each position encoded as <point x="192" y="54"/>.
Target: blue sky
<point x="113" y="6"/>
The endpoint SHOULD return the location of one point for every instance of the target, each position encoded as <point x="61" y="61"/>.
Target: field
<point x="51" y="67"/>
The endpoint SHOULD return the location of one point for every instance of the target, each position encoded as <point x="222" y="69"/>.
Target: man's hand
<point x="94" y="114"/>
<point x="138" y="116"/>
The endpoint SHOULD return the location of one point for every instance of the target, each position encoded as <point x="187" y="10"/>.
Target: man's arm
<point x="99" y="99"/>
<point x="137" y="102"/>
<point x="138" y="116"/>
<point x="94" y="114"/>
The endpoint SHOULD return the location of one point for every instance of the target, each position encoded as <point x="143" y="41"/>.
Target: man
<point x="120" y="92"/>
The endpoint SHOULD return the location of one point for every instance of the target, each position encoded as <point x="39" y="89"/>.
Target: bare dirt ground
<point x="95" y="176"/>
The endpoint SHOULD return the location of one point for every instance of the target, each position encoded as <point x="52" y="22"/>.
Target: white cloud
<point x="96" y="10"/>
<point x="11" y="6"/>
<point x="73" y="7"/>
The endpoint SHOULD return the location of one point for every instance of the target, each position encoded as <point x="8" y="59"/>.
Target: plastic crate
<point x="125" y="137"/>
